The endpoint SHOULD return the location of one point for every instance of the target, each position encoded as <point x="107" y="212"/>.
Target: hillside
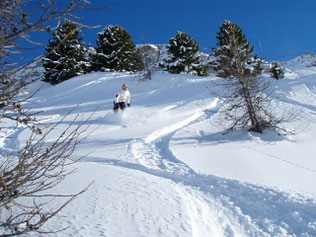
<point x="164" y="168"/>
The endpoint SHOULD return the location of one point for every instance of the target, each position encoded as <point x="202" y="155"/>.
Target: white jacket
<point x="123" y="96"/>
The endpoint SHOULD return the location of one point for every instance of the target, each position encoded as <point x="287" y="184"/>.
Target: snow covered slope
<point x="163" y="167"/>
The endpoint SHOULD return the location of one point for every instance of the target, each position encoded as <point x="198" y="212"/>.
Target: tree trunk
<point x="255" y="124"/>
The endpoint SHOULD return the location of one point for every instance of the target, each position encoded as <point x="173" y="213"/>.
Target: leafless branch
<point x="28" y="173"/>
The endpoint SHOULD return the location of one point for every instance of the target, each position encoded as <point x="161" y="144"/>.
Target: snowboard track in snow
<point x="281" y="214"/>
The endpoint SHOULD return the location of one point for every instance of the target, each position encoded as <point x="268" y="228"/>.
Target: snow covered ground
<point x="164" y="168"/>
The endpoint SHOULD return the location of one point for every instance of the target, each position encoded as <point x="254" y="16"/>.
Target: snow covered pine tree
<point x="65" y="54"/>
<point x="116" y="51"/>
<point x="246" y="93"/>
<point x="183" y="50"/>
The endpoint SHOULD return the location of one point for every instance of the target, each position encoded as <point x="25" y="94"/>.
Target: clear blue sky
<point x="278" y="29"/>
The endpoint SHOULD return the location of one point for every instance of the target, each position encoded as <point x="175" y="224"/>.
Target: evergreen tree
<point x="276" y="71"/>
<point x="116" y="51"/>
<point x="247" y="97"/>
<point x="234" y="55"/>
<point x="65" y="54"/>
<point x="183" y="50"/>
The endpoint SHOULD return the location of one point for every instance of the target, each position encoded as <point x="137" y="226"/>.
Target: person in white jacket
<point x="122" y="98"/>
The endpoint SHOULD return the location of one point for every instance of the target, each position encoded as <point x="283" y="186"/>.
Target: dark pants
<point x="120" y="105"/>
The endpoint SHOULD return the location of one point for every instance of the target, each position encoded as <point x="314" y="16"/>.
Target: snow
<point x="164" y="168"/>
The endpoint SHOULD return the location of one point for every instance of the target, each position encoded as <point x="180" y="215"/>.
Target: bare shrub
<point x="31" y="171"/>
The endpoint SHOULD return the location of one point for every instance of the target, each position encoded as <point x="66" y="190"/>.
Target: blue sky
<point x="279" y="30"/>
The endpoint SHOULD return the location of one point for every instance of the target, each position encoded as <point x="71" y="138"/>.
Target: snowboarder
<point x="122" y="98"/>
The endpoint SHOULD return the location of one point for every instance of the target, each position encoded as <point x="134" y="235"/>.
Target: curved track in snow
<point x="252" y="207"/>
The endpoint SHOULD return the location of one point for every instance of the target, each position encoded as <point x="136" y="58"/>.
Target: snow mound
<point x="306" y="59"/>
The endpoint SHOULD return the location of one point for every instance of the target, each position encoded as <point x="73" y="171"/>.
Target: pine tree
<point x="247" y="97"/>
<point x="276" y="71"/>
<point x="234" y="55"/>
<point x="65" y="54"/>
<point x="116" y="51"/>
<point x="183" y="50"/>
